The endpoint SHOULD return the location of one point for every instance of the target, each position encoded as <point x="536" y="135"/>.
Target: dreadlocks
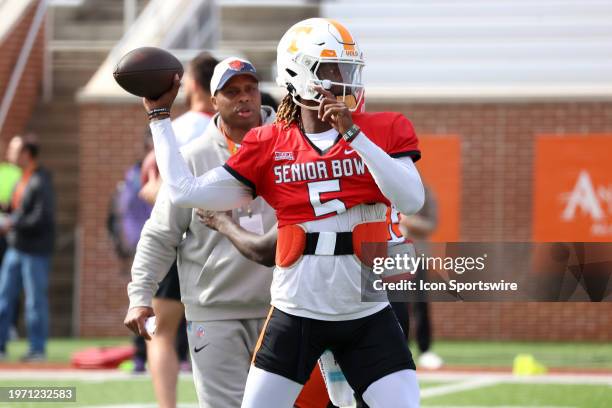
<point x="288" y="112"/>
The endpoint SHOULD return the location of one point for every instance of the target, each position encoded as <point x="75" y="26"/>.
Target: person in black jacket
<point x="29" y="231"/>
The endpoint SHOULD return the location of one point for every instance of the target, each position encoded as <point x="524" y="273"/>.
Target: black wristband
<point x="158" y="111"/>
<point x="351" y="133"/>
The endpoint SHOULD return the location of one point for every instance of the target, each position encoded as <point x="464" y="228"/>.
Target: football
<point x="147" y="71"/>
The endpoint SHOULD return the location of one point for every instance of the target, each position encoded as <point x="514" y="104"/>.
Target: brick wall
<point x="497" y="161"/>
<point x="29" y="87"/>
<point x="497" y="149"/>
<point x="111" y="141"/>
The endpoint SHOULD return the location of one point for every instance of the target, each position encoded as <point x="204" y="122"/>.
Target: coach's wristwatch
<point x="351" y="133"/>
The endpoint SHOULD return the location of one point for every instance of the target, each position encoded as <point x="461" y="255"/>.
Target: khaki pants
<point x="221" y="353"/>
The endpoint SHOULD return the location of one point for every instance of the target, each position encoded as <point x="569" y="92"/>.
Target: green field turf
<point x="528" y="395"/>
<point x="60" y="350"/>
<point x="132" y="391"/>
<point x="502" y="353"/>
<point x="135" y="390"/>
<point x="455" y="353"/>
<point x="139" y="390"/>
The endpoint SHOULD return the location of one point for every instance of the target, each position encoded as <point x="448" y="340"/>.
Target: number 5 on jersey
<point x="315" y="189"/>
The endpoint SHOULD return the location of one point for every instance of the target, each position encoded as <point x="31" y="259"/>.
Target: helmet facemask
<point x="342" y="77"/>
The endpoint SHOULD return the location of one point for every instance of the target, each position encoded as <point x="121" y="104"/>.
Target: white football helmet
<point x="320" y="51"/>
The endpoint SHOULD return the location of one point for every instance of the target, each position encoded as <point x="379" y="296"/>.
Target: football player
<point x="330" y="174"/>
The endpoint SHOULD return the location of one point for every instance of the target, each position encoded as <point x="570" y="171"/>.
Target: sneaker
<point x="33" y="357"/>
<point x="430" y="361"/>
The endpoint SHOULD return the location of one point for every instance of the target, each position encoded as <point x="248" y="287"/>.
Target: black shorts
<point x="169" y="287"/>
<point x="366" y="349"/>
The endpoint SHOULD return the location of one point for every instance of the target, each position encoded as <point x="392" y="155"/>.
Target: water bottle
<point x="339" y="390"/>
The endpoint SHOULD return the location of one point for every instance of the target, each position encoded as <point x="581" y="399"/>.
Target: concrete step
<point x="261" y="53"/>
<point x="503" y="28"/>
<point x="103" y="10"/>
<point x="484" y="48"/>
<point x="89" y="31"/>
<point x="94" y="10"/>
<point x="68" y="82"/>
<point x="79" y="58"/>
<point x="261" y="22"/>
<point x="342" y="10"/>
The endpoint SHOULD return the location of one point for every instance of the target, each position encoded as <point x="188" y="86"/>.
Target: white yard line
<point x="466" y="385"/>
<point x="493" y="406"/>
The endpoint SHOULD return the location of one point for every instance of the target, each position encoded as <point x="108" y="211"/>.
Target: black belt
<point x="329" y="243"/>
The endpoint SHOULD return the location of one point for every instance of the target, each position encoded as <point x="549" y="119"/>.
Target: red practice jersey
<point x="303" y="183"/>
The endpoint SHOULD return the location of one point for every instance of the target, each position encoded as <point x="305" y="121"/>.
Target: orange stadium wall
<point x="496" y="143"/>
<point x="29" y="87"/>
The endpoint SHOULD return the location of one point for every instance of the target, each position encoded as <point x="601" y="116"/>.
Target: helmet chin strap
<point x="350" y="101"/>
<point x="300" y="104"/>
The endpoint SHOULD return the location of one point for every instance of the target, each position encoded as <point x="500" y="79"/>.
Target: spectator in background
<point x="164" y="363"/>
<point x="30" y="230"/>
<point x="419" y="227"/>
<point x="9" y="176"/>
<point x="128" y="212"/>
<point x="196" y="83"/>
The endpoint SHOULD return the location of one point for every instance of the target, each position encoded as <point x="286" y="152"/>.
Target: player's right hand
<point x="166" y="100"/>
<point x="135" y="320"/>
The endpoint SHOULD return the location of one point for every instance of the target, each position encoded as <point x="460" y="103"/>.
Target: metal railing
<point x="194" y="26"/>
<point x="22" y="60"/>
<point x="179" y="24"/>
<point x="197" y="29"/>
<point x="130" y="11"/>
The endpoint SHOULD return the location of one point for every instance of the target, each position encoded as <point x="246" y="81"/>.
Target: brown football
<point x="147" y="71"/>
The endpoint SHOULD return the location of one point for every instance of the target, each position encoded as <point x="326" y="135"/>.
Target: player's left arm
<point x="397" y="178"/>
